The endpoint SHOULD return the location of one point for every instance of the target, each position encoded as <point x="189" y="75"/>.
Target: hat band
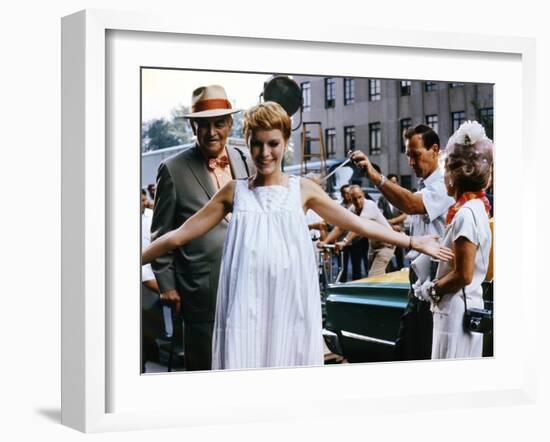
<point x="211" y="104"/>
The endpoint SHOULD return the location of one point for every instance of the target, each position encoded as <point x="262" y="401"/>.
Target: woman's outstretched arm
<point x="313" y="197"/>
<point x="199" y="224"/>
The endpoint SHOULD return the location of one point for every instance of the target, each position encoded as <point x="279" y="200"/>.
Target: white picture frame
<point x="87" y="213"/>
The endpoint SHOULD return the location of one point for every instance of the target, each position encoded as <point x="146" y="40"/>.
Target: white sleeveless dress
<point x="268" y="311"/>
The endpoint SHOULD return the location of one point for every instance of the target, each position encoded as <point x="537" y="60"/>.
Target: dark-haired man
<point x="427" y="208"/>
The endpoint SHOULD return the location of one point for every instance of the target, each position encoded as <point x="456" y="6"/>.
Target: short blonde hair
<point x="266" y="116"/>
<point x="469" y="158"/>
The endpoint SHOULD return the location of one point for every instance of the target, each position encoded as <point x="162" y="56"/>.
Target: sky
<point x="165" y="89"/>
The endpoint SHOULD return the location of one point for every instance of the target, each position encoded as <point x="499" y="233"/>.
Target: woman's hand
<point x="431" y="245"/>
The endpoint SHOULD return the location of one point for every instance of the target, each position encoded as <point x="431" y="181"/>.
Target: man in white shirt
<point x="428" y="208"/>
<point x="379" y="253"/>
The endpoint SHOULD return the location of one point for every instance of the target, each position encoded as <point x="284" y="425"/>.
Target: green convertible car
<point x="363" y="316"/>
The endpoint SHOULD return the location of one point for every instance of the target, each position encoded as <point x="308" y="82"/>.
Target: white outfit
<point x="146" y="217"/>
<point x="449" y="338"/>
<point x="268" y="311"/>
<point x="313" y="218"/>
<point x="437" y="203"/>
<point x="148" y="275"/>
<point x="380" y="253"/>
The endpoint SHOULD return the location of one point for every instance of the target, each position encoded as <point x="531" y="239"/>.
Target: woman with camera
<point x="457" y="285"/>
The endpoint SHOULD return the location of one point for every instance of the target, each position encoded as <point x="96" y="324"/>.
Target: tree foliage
<point x="175" y="130"/>
<point x="159" y="133"/>
<point x="238" y="125"/>
<point x="484" y="119"/>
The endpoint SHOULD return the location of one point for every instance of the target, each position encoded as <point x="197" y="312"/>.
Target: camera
<point x="478" y="320"/>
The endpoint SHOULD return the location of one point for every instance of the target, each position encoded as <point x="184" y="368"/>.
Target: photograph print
<point x="293" y="220"/>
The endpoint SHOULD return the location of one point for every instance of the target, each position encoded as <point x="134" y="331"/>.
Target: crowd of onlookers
<point x="149" y="195"/>
<point x="367" y="258"/>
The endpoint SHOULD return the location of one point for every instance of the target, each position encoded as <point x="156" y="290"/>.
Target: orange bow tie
<point x="222" y="162"/>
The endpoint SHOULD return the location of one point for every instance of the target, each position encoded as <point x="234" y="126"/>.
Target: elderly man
<point x="188" y="277"/>
<point x="427" y="208"/>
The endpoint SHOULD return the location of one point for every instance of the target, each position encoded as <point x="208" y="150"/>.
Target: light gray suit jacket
<point x="183" y="187"/>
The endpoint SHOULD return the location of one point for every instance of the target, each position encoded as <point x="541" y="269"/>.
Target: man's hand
<point x="172" y="297"/>
<point x="317" y="226"/>
<point x="361" y="160"/>
<point x="321" y="244"/>
<point x="339" y="246"/>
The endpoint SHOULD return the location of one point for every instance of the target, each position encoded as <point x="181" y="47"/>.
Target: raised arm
<point x="315" y="198"/>
<point x="403" y="199"/>
<point x="197" y="225"/>
<point x="398" y="219"/>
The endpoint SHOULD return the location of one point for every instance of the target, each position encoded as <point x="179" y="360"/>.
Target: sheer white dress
<point x="268" y="311"/>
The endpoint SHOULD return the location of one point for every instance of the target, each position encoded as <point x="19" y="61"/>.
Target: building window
<point x="306" y="96"/>
<point x="307" y="142"/>
<point x="349" y="138"/>
<point x="374" y="90"/>
<point x="404" y="124"/>
<point x="486" y="112"/>
<point x="330" y="92"/>
<point x="458" y="118"/>
<point x="405" y="87"/>
<point x="430" y="86"/>
<point x="433" y="122"/>
<point x="455" y="84"/>
<point x="330" y="141"/>
<point x="349" y="91"/>
<point x="405" y="181"/>
<point x="486" y="120"/>
<point x="375" y="138"/>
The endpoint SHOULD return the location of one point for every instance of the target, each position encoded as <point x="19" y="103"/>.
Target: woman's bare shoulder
<point x="227" y="192"/>
<point x="308" y="185"/>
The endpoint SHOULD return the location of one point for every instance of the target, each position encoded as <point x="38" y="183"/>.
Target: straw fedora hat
<point x="210" y="101"/>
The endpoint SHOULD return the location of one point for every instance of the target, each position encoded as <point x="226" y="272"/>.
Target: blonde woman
<point x="268" y="311"/>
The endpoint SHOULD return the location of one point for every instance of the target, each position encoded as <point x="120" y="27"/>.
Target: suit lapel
<point x="237" y="162"/>
<point x="200" y="171"/>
